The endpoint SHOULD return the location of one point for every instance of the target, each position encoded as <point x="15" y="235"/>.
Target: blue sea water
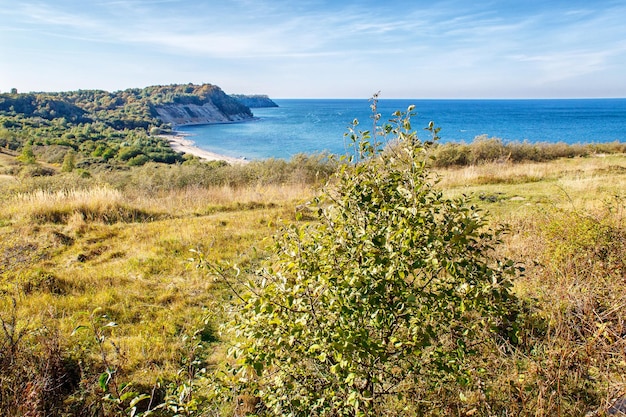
<point x="312" y="126"/>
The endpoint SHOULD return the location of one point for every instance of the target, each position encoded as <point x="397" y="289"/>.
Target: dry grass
<point x="571" y="355"/>
<point x="107" y="205"/>
<point x="96" y="204"/>
<point x="511" y="173"/>
<point x="568" y="231"/>
<point x="514" y="190"/>
<point x="7" y="178"/>
<point x="71" y="256"/>
<point x="206" y="200"/>
<point x="68" y="252"/>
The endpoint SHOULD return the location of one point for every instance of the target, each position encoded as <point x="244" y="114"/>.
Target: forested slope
<point x="110" y="129"/>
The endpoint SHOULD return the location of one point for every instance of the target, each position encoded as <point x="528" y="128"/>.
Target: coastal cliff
<point x="201" y="104"/>
<point x="138" y="108"/>
<point x="186" y="114"/>
<point x="122" y="128"/>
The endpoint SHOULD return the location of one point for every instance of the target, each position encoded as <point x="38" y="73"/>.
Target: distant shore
<point x="181" y="143"/>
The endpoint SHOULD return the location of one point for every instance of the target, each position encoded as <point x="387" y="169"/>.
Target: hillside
<point x="105" y="130"/>
<point x="101" y="296"/>
<point x="117" y="278"/>
<point x="185" y="114"/>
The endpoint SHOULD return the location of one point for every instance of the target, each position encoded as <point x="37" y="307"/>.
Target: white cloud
<point x="447" y="44"/>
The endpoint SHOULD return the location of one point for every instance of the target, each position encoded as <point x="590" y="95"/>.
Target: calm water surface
<point x="312" y="126"/>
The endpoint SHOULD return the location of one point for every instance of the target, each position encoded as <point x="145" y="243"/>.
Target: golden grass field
<point x="71" y="255"/>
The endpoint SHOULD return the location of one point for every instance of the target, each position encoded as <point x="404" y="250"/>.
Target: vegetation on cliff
<point x="255" y="100"/>
<point x="103" y="129"/>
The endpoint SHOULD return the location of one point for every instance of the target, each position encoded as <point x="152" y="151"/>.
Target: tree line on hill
<point x="114" y="128"/>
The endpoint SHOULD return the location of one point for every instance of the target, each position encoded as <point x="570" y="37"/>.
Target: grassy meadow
<point x="99" y="276"/>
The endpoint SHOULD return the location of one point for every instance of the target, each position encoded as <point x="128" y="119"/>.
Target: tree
<point x="69" y="161"/>
<point x="378" y="301"/>
<point x="27" y="156"/>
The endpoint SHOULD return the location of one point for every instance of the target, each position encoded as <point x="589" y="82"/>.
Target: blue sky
<point x="325" y="49"/>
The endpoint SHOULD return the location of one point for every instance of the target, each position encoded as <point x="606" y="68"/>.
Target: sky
<point x="319" y="49"/>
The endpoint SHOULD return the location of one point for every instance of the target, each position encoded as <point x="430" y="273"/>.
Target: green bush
<point x="138" y="160"/>
<point x="380" y="301"/>
<point x="69" y="161"/>
<point x="129" y="152"/>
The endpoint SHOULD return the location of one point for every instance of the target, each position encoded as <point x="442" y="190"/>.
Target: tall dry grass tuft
<point x="98" y="204"/>
<point x="495" y="173"/>
<point x="197" y="200"/>
<point x="37" y="374"/>
<point x="93" y="195"/>
<point x="487" y="150"/>
<point x="528" y="172"/>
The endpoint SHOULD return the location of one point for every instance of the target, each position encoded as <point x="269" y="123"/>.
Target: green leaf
<point x="103" y="381"/>
<point x="350" y="379"/>
<point x="128" y="395"/>
<point x="77" y="328"/>
<point x="314" y="348"/>
<point x="258" y="368"/>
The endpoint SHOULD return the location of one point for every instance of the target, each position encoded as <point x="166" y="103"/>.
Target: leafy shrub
<point x="127" y="153"/>
<point x="27" y="156"/>
<point x="69" y="161"/>
<point x="486" y="149"/>
<point x="379" y="301"/>
<point x="36" y="170"/>
<point x="138" y="160"/>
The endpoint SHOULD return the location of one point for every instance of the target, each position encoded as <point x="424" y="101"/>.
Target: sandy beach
<point x="180" y="143"/>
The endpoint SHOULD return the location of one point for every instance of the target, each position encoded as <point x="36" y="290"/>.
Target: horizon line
<point x="343" y="98"/>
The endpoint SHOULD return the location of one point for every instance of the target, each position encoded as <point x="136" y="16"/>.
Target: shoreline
<point x="179" y="142"/>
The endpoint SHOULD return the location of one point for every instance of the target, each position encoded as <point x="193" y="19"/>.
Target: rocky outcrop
<point x="254" y="101"/>
<point x="207" y="113"/>
<point x="196" y="104"/>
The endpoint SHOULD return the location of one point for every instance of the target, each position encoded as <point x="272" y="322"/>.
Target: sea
<point x="312" y="126"/>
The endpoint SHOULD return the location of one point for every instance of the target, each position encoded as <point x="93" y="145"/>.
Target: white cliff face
<point x="186" y="114"/>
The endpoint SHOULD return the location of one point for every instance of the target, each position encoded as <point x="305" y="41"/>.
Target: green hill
<point x="105" y="129"/>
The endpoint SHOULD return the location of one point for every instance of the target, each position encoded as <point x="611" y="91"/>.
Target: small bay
<point x="318" y="125"/>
